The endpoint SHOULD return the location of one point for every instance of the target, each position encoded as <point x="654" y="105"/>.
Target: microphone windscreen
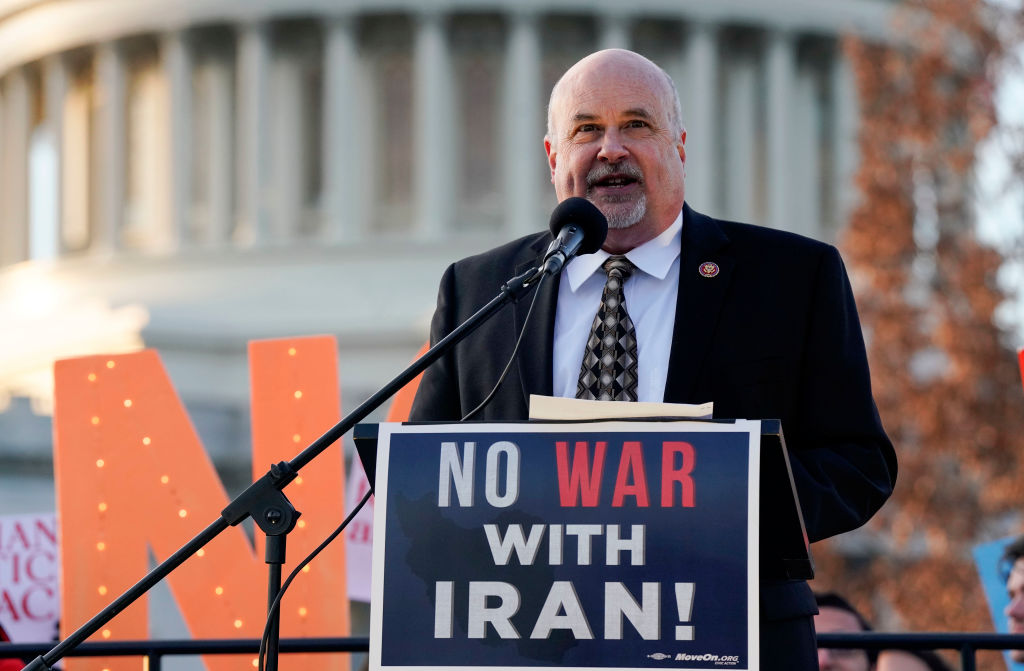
<point x="584" y="214"/>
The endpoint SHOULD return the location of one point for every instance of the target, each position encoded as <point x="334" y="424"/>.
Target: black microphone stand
<point x="264" y="501"/>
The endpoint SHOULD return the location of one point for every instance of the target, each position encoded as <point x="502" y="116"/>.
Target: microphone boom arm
<point x="264" y="501"/>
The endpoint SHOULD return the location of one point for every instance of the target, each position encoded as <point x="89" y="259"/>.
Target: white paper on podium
<point x="555" y="408"/>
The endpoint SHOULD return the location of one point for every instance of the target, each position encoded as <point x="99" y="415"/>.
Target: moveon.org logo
<point x="719" y="660"/>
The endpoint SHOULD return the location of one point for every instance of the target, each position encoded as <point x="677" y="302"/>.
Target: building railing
<point x="966" y="644"/>
<point x="155" y="651"/>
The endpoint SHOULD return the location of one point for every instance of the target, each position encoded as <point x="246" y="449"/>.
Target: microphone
<point x="579" y="228"/>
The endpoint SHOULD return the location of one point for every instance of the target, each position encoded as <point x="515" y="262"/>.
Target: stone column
<point x="16" y="129"/>
<point x="289" y="162"/>
<point x="5" y="176"/>
<point x="252" y="155"/>
<point x="804" y="156"/>
<point x="780" y="64"/>
<point x="111" y="145"/>
<point x="78" y="146"/>
<point x="739" y="139"/>
<point x="700" y="115"/>
<point x="846" y="154"/>
<point x="216" y="155"/>
<point x="436" y="152"/>
<point x="523" y="113"/>
<point x="343" y="196"/>
<point x="176" y="60"/>
<point x="615" y="32"/>
<point x="55" y="92"/>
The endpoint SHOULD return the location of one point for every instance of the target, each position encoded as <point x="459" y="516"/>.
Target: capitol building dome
<point x="193" y="175"/>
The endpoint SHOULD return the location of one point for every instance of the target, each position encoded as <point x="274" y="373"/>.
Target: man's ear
<point x="552" y="156"/>
<point x="682" y="146"/>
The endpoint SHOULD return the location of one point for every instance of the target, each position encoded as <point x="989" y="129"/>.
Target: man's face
<point x="837" y="620"/>
<point x="900" y="660"/>
<point x="1015" y="610"/>
<point x="613" y="142"/>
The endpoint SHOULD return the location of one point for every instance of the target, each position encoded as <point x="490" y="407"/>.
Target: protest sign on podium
<point x="597" y="545"/>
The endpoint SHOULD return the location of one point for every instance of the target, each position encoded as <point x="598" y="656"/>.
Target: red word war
<point x="580" y="474"/>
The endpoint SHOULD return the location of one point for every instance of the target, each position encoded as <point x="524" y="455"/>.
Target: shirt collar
<point x="654" y="257"/>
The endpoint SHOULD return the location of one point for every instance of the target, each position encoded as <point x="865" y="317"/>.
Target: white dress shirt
<point x="650" y="294"/>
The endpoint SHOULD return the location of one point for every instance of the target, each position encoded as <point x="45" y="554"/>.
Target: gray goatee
<point x="621" y="211"/>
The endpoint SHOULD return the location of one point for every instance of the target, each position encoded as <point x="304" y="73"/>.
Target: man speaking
<point x="676" y="307"/>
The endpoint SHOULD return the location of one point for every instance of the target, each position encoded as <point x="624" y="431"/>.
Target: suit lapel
<point x="535" y="354"/>
<point x="698" y="304"/>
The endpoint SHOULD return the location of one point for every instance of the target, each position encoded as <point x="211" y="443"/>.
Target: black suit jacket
<point x="774" y="335"/>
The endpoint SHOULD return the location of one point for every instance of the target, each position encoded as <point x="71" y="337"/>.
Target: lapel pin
<point x="708" y="269"/>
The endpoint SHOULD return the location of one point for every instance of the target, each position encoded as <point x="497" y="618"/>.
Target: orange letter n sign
<point x="132" y="477"/>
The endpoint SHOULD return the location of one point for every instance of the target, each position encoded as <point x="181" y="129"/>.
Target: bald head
<point x="584" y="72"/>
<point x="615" y="137"/>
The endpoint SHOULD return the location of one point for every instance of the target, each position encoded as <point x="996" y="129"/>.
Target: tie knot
<point x="618" y="267"/>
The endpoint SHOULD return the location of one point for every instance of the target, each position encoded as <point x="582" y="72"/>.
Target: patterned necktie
<point x="608" y="372"/>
